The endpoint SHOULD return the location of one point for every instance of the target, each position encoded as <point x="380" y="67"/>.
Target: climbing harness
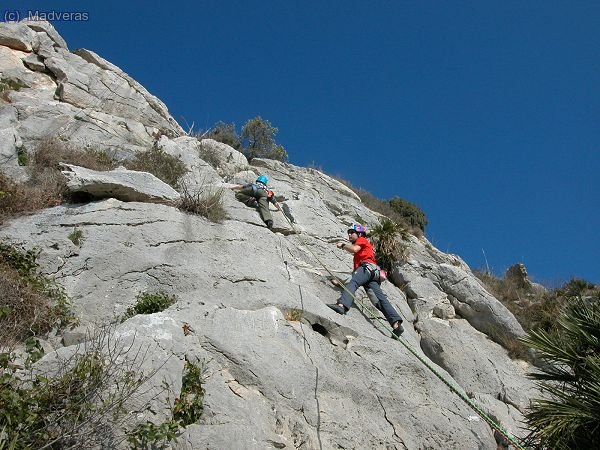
<point x="262" y="187"/>
<point x="377" y="273"/>
<point x="491" y="422"/>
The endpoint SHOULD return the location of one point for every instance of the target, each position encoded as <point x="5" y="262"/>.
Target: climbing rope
<point x="491" y="422"/>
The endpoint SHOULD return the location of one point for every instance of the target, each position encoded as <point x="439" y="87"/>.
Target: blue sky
<point x="484" y="114"/>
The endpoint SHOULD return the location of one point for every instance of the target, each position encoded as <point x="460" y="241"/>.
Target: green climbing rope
<point x="512" y="439"/>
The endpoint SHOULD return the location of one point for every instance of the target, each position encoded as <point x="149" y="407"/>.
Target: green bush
<point x="568" y="416"/>
<point x="80" y="406"/>
<point x="167" y="168"/>
<point x="533" y="308"/>
<point x="407" y="220"/>
<point x="410" y="212"/>
<point x="225" y="133"/>
<point x="211" y="156"/>
<point x="258" y="138"/>
<point x="150" y="303"/>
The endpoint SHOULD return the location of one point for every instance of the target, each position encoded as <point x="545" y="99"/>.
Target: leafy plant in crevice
<point x="568" y="416"/>
<point x="22" y="156"/>
<point x="32" y="304"/>
<point x="11" y="84"/>
<point x="150" y="303"/>
<point x="388" y="247"/>
<point x="76" y="237"/>
<point x="189" y="406"/>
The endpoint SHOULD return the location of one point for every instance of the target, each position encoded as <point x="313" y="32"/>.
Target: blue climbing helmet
<point x="360" y="230"/>
<point x="262" y="179"/>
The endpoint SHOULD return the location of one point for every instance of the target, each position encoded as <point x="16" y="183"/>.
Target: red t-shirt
<point x="365" y="254"/>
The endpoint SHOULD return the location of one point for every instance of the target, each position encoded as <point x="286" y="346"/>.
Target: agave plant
<point x="388" y="248"/>
<point x="569" y="416"/>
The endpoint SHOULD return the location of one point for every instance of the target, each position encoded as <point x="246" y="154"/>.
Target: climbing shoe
<point x="269" y="224"/>
<point x="398" y="331"/>
<point x="252" y="202"/>
<point x="337" y="308"/>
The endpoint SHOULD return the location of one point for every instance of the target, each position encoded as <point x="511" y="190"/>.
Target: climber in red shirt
<point x="366" y="274"/>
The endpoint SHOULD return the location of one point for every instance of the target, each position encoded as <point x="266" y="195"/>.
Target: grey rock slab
<point x="43" y="26"/>
<point x="154" y="103"/>
<point x="86" y="85"/>
<point x="13" y="67"/>
<point x="201" y="176"/>
<point x="478" y="364"/>
<point x="123" y="184"/>
<point x="35" y="63"/>
<point x="474" y="303"/>
<point x="227" y="160"/>
<point x="17" y="36"/>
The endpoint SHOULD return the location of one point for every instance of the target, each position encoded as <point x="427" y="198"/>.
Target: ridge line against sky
<point x="483" y="114"/>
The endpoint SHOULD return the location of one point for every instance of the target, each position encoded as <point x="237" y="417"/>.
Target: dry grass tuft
<point x="47" y="187"/>
<point x="19" y="199"/>
<point x="293" y="315"/>
<point x="31" y="304"/>
<point x="205" y="203"/>
<point x="165" y="167"/>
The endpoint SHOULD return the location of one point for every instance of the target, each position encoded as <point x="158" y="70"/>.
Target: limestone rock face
<point x="282" y="370"/>
<point x="77" y="97"/>
<point x="227" y="160"/>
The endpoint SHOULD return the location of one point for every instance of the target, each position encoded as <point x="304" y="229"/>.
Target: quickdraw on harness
<point x="377" y="273"/>
<point x="262" y="187"/>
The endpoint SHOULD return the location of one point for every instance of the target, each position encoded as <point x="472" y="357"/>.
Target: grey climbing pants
<point x="261" y="197"/>
<point x="361" y="277"/>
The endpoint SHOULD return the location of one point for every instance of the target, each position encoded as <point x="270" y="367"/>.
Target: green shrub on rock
<point x="150" y="303"/>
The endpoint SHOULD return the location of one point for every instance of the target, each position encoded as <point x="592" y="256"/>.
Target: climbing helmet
<point x="262" y="179"/>
<point x="358" y="228"/>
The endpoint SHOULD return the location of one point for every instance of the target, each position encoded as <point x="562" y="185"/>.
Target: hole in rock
<point x="320" y="329"/>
